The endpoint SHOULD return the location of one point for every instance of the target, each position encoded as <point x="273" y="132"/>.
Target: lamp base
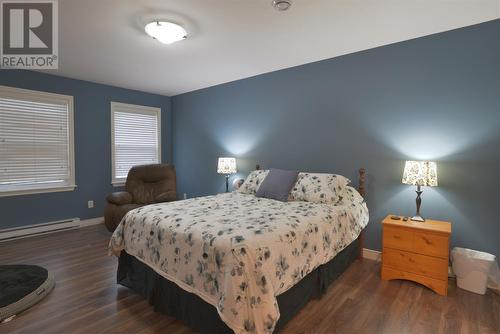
<point x="418" y="217"/>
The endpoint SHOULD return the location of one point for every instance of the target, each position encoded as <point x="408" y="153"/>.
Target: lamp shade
<point x="226" y="166"/>
<point x="420" y="173"/>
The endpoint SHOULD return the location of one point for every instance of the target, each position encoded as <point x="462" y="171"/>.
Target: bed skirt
<point x="168" y="298"/>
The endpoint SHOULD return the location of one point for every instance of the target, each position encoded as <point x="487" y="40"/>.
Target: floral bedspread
<point x="238" y="251"/>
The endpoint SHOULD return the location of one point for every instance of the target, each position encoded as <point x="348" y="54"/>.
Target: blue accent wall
<point x="92" y="148"/>
<point x="436" y="98"/>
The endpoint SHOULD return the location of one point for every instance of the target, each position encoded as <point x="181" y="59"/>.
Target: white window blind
<point x="36" y="142"/>
<point x="135" y="138"/>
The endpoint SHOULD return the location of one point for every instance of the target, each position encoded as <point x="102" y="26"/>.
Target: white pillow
<point x="253" y="182"/>
<point x="319" y="188"/>
<point x="351" y="195"/>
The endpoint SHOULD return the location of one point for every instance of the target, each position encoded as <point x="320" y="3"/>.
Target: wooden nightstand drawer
<point x="416" y="263"/>
<point x="431" y="244"/>
<point x="397" y="238"/>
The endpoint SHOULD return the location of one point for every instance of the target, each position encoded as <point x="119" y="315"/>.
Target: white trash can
<point x="472" y="269"/>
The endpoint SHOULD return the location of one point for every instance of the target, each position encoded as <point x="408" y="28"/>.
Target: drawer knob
<point x="396" y="237"/>
<point x="427" y="241"/>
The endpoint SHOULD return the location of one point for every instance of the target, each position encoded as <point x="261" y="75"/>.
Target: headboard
<point x="361" y="180"/>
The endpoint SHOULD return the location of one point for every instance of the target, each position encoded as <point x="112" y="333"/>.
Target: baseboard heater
<point x="38" y="229"/>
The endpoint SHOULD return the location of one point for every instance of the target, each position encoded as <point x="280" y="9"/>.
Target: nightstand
<point x="416" y="251"/>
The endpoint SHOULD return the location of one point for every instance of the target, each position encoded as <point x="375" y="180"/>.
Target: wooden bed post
<point x="362" y="191"/>
<point x="361" y="182"/>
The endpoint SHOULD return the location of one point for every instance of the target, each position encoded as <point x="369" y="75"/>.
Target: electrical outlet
<point x="90" y="204"/>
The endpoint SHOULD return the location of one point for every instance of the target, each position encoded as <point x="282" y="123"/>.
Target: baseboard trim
<point x="35" y="230"/>
<point x="28" y="231"/>
<point x="371" y="254"/>
<point x="91" y="221"/>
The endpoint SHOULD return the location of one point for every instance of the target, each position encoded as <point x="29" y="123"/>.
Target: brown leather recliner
<point x="145" y="184"/>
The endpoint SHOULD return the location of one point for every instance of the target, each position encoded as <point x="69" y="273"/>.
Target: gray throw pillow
<point x="277" y="184"/>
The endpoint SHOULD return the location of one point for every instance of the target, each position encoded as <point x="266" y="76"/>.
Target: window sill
<point x="118" y="183"/>
<point x="30" y="191"/>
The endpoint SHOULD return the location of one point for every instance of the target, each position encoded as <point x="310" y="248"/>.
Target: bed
<point x="234" y="262"/>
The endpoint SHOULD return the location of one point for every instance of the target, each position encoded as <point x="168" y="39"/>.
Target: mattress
<point x="239" y="252"/>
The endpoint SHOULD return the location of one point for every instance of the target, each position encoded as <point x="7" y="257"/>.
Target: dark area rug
<point x="22" y="286"/>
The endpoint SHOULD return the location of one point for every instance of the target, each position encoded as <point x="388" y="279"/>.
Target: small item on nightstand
<point x="405" y="219"/>
<point x="395" y="218"/>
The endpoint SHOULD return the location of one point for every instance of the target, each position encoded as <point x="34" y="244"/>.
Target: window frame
<point x="45" y="97"/>
<point x="138" y="109"/>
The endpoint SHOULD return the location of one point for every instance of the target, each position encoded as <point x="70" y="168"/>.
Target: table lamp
<point x="420" y="173"/>
<point x="226" y="166"/>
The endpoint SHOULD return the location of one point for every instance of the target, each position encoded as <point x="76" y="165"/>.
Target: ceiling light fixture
<point x="165" y="32"/>
<point x="282" y="5"/>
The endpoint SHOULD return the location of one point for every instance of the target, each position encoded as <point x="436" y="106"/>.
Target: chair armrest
<point x="168" y="196"/>
<point x="119" y="198"/>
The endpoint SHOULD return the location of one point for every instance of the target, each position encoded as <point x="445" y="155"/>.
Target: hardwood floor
<point x="86" y="298"/>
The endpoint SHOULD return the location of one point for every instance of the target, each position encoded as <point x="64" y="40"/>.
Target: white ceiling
<point x="104" y="40"/>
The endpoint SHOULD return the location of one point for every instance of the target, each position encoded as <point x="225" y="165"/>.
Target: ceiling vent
<point x="282" y="5"/>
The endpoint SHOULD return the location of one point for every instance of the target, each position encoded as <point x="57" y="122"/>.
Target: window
<point x="135" y="138"/>
<point x="36" y="142"/>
